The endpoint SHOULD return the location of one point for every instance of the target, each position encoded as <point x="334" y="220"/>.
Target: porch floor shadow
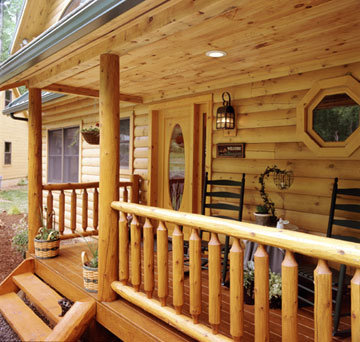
<point x="116" y="316"/>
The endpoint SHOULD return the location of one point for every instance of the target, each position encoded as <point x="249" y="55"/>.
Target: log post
<point x="73" y="211"/>
<point x="109" y="175"/>
<point x="49" y="207"/>
<point x="236" y="291"/>
<point x="289" y="270"/>
<point x="35" y="165"/>
<point x="355" y="306"/>
<point x="261" y="291"/>
<point x="148" y="258"/>
<point x="178" y="269"/>
<point x="195" y="275"/>
<point x="62" y="212"/>
<point x="323" y="302"/>
<point x="162" y="263"/>
<point x="84" y="210"/>
<point x="96" y="209"/>
<point x="214" y="248"/>
<point x="135" y="187"/>
<point x="135" y="254"/>
<point x="123" y="249"/>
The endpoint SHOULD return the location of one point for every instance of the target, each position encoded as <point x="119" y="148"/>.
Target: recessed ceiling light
<point x="215" y="53"/>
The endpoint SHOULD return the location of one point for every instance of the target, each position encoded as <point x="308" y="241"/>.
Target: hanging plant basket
<point x="91" y="137"/>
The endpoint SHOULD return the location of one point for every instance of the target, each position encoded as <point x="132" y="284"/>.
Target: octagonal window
<point x="336" y="117"/>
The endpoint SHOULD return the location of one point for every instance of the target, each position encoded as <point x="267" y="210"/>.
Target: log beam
<point x="35" y="165"/>
<point x="109" y="175"/>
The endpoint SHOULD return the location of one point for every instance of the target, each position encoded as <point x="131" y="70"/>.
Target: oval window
<point x="176" y="167"/>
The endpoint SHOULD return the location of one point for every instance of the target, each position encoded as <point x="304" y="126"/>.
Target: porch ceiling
<point x="162" y="47"/>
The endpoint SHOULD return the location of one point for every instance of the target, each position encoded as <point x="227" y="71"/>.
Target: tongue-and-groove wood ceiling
<point x="162" y="52"/>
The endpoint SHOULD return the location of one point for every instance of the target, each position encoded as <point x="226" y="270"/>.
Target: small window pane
<point x="7" y="147"/>
<point x="71" y="168"/>
<point x="8" y="97"/>
<point x="7" y="153"/>
<point x="336" y="117"/>
<point x="55" y="142"/>
<point x="54" y="169"/>
<point x="71" y="138"/>
<point x="124" y="143"/>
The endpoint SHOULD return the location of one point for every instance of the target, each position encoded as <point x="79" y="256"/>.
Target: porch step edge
<point x="42" y="296"/>
<point x="27" y="325"/>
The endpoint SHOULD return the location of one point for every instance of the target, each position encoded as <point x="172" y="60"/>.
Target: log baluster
<point x="73" y="211"/>
<point x="261" y="291"/>
<point x="148" y="258"/>
<point x="214" y="248"/>
<point x="162" y="263"/>
<point x="355" y="306"/>
<point x="123" y="248"/>
<point x="84" y="210"/>
<point x="195" y="275"/>
<point x="49" y="208"/>
<point x="178" y="269"/>
<point x="96" y="209"/>
<point x="135" y="254"/>
<point x="323" y="302"/>
<point x="289" y="271"/>
<point x="125" y="194"/>
<point x="62" y="212"/>
<point x="236" y="291"/>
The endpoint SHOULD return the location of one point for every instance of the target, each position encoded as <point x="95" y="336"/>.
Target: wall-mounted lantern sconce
<point x="225" y="115"/>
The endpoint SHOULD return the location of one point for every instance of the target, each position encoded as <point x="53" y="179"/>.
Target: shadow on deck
<point x="128" y="322"/>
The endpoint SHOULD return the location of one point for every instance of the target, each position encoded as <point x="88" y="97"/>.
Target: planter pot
<point x="90" y="275"/>
<point x="46" y="249"/>
<point x="263" y="219"/>
<point x="92" y="137"/>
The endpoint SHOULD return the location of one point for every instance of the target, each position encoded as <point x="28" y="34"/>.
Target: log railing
<point x="69" y="192"/>
<point x="324" y="249"/>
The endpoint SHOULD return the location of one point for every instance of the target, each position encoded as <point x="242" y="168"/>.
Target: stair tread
<point x="22" y="319"/>
<point x="40" y="294"/>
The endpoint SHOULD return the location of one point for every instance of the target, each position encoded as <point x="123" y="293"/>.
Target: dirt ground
<point x="9" y="259"/>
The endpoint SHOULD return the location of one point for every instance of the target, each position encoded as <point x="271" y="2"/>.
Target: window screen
<point x="63" y="156"/>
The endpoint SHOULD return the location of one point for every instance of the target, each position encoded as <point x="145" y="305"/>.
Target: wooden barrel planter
<point x="47" y="249"/>
<point x="90" y="274"/>
<point x="91" y="137"/>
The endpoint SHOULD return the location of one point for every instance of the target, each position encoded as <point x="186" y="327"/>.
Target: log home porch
<point x="147" y="59"/>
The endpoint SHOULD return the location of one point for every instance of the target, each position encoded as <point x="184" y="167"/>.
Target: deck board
<point x="68" y="264"/>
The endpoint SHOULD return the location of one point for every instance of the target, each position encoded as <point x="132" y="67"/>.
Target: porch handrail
<point x="85" y="187"/>
<point x="318" y="247"/>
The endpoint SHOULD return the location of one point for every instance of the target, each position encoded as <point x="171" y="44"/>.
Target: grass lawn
<point x="13" y="199"/>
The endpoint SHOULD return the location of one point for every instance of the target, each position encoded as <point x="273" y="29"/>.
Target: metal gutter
<point x="12" y="115"/>
<point x="71" y="28"/>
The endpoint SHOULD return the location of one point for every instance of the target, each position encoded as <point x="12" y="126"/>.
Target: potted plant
<point x="90" y="269"/>
<point x="91" y="134"/>
<point x="262" y="215"/>
<point x="274" y="286"/>
<point x="47" y="241"/>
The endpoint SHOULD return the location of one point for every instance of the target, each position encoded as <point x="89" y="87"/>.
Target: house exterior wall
<point x="16" y="132"/>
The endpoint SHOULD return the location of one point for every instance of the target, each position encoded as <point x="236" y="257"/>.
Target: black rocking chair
<point x="210" y="199"/>
<point x="340" y="280"/>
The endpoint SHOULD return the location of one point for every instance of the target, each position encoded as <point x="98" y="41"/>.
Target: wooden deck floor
<point x="68" y="267"/>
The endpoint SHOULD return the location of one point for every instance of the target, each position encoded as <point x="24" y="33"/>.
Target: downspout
<point x="12" y="115"/>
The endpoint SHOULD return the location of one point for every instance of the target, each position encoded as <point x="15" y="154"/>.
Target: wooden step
<point x="22" y="319"/>
<point x="44" y="298"/>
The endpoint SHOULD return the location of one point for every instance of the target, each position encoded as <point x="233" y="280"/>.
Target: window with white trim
<point x="63" y="155"/>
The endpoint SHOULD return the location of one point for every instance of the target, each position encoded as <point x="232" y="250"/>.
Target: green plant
<point x="14" y="210"/>
<point x="22" y="181"/>
<point x="20" y="239"/>
<point x="93" y="262"/>
<point x="262" y="209"/>
<point x="45" y="233"/>
<point x="94" y="129"/>
<point x="274" y="285"/>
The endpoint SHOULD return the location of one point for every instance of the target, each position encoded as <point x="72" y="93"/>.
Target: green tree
<point x="10" y="11"/>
